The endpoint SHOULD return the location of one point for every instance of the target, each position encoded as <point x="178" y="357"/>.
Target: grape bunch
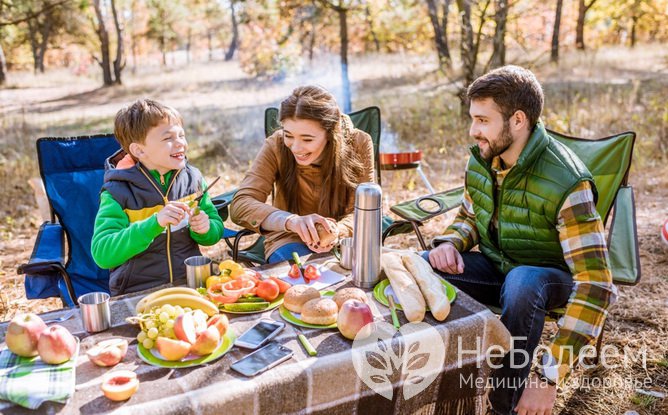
<point x="159" y="321"/>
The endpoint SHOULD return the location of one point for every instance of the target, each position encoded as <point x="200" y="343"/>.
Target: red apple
<point x="184" y="328"/>
<point x="56" y="345"/>
<point x="220" y="322"/>
<point x="172" y="349"/>
<point x="120" y="385"/>
<point x="354" y="315"/>
<point x="206" y="342"/>
<point x="108" y="352"/>
<point x="23" y="333"/>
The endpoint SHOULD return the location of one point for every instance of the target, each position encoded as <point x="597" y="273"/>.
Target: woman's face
<point x="305" y="138"/>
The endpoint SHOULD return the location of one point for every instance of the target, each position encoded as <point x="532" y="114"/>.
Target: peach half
<point x="120" y="385"/>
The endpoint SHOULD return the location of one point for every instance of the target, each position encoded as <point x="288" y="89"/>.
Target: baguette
<point x="404" y="287"/>
<point x="432" y="289"/>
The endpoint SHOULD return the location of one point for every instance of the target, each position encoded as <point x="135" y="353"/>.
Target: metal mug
<point x="198" y="269"/>
<point x="95" y="313"/>
<point x="346" y="249"/>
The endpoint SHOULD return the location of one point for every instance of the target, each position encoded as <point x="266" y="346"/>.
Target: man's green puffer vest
<point x="528" y="202"/>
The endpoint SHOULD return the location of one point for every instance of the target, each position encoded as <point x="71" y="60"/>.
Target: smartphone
<point x="262" y="359"/>
<point x="259" y="334"/>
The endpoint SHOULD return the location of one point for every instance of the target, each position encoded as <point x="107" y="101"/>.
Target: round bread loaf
<point x="345" y="294"/>
<point x="297" y="295"/>
<point x="320" y="311"/>
<point x="326" y="238"/>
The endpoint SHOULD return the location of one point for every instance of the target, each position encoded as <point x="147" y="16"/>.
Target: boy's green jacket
<point x="118" y="237"/>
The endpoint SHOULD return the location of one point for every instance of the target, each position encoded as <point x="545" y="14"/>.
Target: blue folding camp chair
<point x="61" y="264"/>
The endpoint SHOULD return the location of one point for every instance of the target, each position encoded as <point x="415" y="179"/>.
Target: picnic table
<point x="326" y="383"/>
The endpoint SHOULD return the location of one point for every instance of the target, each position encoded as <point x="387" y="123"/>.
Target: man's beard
<point x="498" y="146"/>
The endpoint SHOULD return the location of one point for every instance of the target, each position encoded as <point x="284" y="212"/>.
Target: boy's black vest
<point x="139" y="197"/>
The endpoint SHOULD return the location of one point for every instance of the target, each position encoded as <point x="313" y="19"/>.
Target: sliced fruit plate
<point x="295" y="318"/>
<point x="153" y="357"/>
<point x="384" y="288"/>
<point x="250" y="304"/>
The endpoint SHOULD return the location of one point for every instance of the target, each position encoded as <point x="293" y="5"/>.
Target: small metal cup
<point x="95" y="312"/>
<point x="346" y="247"/>
<point x="198" y="269"/>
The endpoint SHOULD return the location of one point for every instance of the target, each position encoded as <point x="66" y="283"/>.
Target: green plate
<point x="383" y="288"/>
<point x="295" y="318"/>
<point x="152" y="357"/>
<point x="278" y="301"/>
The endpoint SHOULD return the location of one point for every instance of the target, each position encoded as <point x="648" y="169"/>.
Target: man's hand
<point x="446" y="258"/>
<point x="200" y="223"/>
<point x="537" y="398"/>
<point x="304" y="226"/>
<point x="172" y="214"/>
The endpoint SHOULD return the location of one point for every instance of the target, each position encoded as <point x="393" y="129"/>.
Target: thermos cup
<point x="367" y="235"/>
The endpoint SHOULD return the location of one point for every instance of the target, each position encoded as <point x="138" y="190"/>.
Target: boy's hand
<point x="172" y="214"/>
<point x="200" y="223"/>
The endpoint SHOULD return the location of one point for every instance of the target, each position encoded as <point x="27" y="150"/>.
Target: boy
<point x="145" y="228"/>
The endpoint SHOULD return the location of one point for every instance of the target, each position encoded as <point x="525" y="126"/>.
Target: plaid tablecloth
<point x="326" y="383"/>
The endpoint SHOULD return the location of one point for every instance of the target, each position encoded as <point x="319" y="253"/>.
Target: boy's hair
<point x="133" y="123"/>
<point x="512" y="88"/>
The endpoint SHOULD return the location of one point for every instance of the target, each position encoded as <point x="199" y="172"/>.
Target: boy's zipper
<point x="169" y="228"/>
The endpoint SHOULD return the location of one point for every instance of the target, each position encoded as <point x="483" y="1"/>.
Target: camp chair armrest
<point x="237" y="240"/>
<point x="416" y="211"/>
<point x="222" y="203"/>
<point x="49" y="250"/>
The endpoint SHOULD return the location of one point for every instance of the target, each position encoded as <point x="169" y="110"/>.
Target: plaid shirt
<point x="582" y="240"/>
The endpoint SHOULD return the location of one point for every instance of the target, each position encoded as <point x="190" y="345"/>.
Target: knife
<point x="304" y="341"/>
<point x="194" y="204"/>
<point x="393" y="312"/>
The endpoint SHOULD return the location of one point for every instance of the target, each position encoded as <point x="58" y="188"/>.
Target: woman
<point x="314" y="164"/>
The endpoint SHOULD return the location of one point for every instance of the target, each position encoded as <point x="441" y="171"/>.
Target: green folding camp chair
<point x="368" y="120"/>
<point x="609" y="160"/>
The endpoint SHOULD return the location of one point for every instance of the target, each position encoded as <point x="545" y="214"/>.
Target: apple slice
<point x="108" y="352"/>
<point x="172" y="349"/>
<point x="184" y="328"/>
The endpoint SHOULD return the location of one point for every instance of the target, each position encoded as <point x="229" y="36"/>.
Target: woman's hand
<point x="329" y="239"/>
<point x="304" y="226"/>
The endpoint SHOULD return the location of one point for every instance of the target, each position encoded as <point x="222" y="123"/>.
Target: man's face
<point x="489" y="128"/>
<point x="165" y="147"/>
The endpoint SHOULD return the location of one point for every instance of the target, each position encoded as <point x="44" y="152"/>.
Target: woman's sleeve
<point x="345" y="224"/>
<point x="249" y="208"/>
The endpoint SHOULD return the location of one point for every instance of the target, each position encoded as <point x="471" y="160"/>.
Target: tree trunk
<point x="189" y="39"/>
<point x="3" y="67"/>
<point x="634" y="24"/>
<point x="499" y="41"/>
<point x="345" y="81"/>
<point x="209" y="43"/>
<point x="235" y="34"/>
<point x="133" y="38"/>
<point x="372" y="32"/>
<point x="440" y="32"/>
<point x="103" y="35"/>
<point x="554" y="53"/>
<point x="579" y="30"/>
<point x="467" y="52"/>
<point x="163" y="46"/>
<point x="118" y="61"/>
<point x="32" y="33"/>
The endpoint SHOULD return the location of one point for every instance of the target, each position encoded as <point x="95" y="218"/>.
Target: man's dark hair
<point x="512" y="88"/>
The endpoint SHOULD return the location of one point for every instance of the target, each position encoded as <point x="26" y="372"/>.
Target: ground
<point x="221" y="107"/>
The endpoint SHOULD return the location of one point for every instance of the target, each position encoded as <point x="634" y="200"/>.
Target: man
<point x="530" y="206"/>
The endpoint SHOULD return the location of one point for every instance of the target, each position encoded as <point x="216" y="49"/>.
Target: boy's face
<point x="164" y="148"/>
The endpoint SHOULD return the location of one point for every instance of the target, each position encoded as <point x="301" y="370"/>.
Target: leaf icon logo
<point x="414" y="356"/>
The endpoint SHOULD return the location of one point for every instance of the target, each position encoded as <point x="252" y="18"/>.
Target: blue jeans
<point x="284" y="253"/>
<point x="524" y="295"/>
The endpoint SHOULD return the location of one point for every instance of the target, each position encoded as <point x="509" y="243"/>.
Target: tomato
<point x="311" y="272"/>
<point x="294" y="271"/>
<point x="267" y="290"/>
<point x="282" y="285"/>
<point x="216" y="295"/>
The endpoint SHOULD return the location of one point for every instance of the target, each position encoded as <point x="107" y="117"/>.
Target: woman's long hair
<point x="341" y="166"/>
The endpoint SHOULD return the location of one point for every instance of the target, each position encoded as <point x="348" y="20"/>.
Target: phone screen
<point x="257" y="334"/>
<point x="262" y="359"/>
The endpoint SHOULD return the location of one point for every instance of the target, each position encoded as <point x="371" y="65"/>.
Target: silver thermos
<point x="367" y="235"/>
